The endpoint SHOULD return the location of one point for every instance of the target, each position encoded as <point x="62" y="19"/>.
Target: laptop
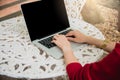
<point x="44" y="19"/>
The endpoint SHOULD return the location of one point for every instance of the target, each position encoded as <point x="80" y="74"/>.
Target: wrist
<point x="87" y="39"/>
<point x="66" y="49"/>
<point x="104" y="44"/>
<point x="92" y="41"/>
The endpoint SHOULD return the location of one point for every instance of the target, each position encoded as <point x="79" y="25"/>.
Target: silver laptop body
<point x="44" y="19"/>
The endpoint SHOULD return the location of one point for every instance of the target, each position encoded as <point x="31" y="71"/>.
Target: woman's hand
<point x="76" y="36"/>
<point x="62" y="42"/>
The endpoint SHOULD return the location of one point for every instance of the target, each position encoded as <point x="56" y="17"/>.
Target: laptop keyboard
<point x="47" y="42"/>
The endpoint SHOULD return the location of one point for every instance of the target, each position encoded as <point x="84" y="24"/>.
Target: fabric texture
<point x="106" y="69"/>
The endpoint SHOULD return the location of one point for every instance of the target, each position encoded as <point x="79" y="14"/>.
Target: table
<point x="19" y="58"/>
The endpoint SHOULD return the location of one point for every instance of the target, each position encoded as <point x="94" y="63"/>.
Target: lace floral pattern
<point x="74" y="8"/>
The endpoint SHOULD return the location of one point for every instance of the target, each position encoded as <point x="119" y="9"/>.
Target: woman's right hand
<point x="76" y="36"/>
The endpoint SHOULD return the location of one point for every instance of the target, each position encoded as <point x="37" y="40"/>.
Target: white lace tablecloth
<point x="21" y="59"/>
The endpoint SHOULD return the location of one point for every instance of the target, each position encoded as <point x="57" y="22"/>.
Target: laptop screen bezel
<point x="31" y="36"/>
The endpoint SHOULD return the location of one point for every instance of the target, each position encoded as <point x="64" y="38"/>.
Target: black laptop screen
<point x="45" y="17"/>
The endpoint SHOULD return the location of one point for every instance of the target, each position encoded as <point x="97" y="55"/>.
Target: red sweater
<point x="106" y="69"/>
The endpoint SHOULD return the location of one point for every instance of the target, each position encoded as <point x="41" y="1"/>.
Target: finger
<point x="71" y="33"/>
<point x="56" y="36"/>
<point x="52" y="41"/>
<point x="70" y="39"/>
<point x="56" y="42"/>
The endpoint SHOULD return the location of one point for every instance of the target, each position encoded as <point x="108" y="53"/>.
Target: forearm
<point x="107" y="46"/>
<point x="69" y="57"/>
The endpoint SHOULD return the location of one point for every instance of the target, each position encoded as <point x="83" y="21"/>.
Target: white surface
<point x="19" y="58"/>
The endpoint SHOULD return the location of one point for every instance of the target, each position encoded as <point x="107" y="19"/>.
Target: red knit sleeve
<point x="106" y="69"/>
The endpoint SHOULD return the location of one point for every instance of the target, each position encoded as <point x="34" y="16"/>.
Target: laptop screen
<point x="45" y="17"/>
